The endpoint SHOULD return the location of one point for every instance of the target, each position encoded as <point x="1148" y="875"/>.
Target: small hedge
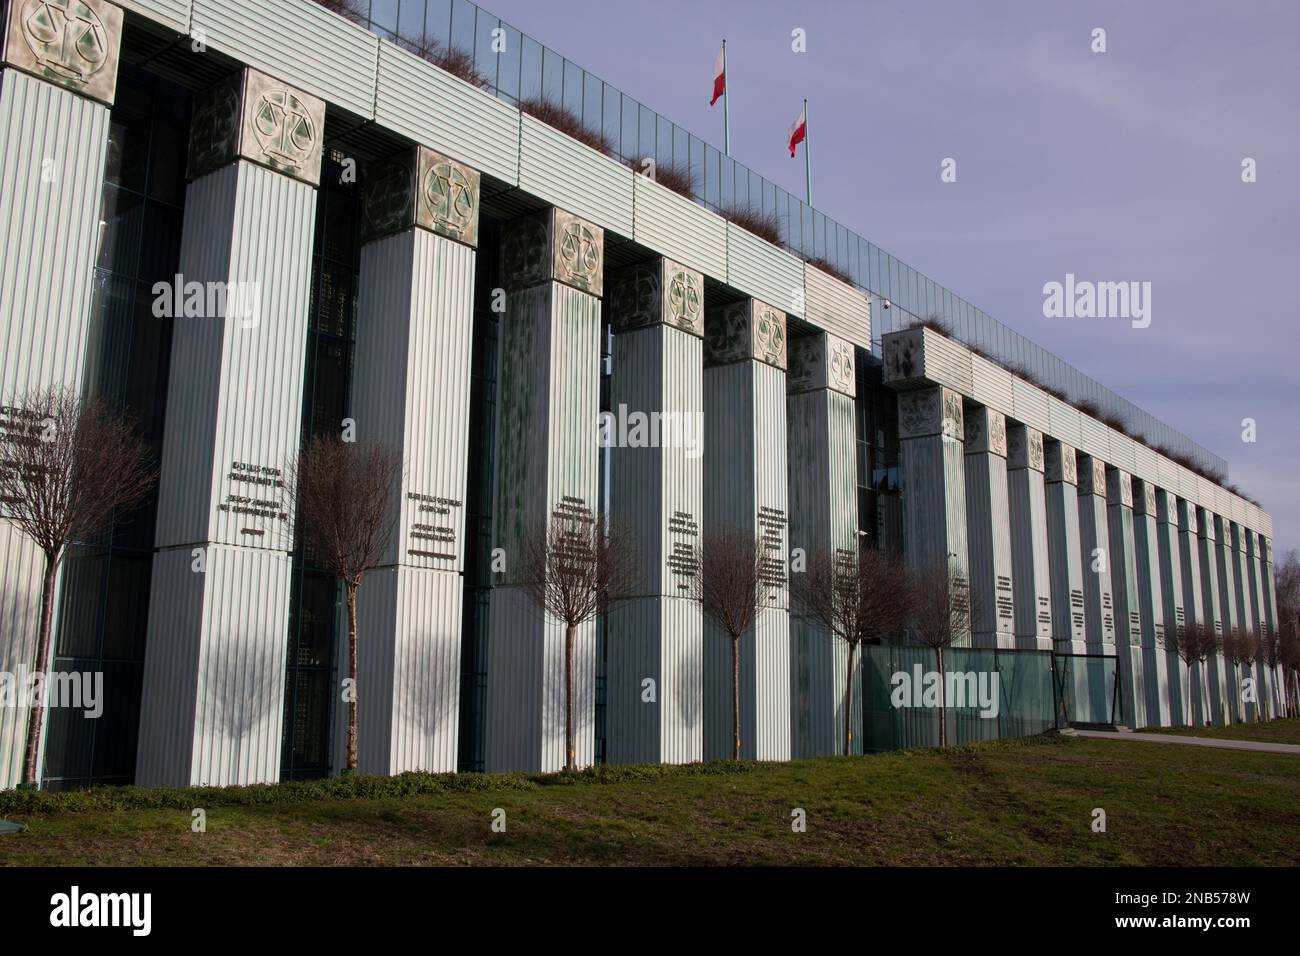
<point x="352" y="787"/>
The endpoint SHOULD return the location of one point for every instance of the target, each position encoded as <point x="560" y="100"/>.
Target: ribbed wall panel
<point x="946" y="362"/>
<point x="174" y="14"/>
<point x="1030" y="405"/>
<point x="1030" y="566"/>
<point x="437" y="110"/>
<point x="1189" y="558"/>
<point x="1255" y="585"/>
<point x="1098" y="595"/>
<point x="1066" y="421"/>
<point x="1122" y="452"/>
<point x="1225" y="566"/>
<point x="988" y="524"/>
<point x="1171" y="592"/>
<point x="1168" y="475"/>
<point x="1094" y="438"/>
<point x="1151" y="606"/>
<point x="549" y="370"/>
<point x="574" y="177"/>
<point x="410" y="384"/>
<point x="1246" y="618"/>
<point x="934" y="473"/>
<point x="408" y="670"/>
<point x="21" y="571"/>
<point x="655" y="490"/>
<point x="1128" y="613"/>
<point x="1146" y="464"/>
<point x="992" y="385"/>
<point x="49" y="230"/>
<point x="679" y="228"/>
<point x="760" y="269"/>
<point x="236" y="393"/>
<point x="823" y="519"/>
<point x="1069" y="611"/>
<point x="837" y="307"/>
<point x="744" y="473"/>
<point x="661" y="639"/>
<point x="213" y="702"/>
<point x="297" y="41"/>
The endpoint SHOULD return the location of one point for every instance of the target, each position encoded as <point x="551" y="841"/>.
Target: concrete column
<point x="823" y="488"/>
<point x="745" y="488"/>
<point x="548" y="463"/>
<point x="1030" y="560"/>
<point x="1212" y="610"/>
<point x="1194" y="602"/>
<point x="1098" y="562"/>
<point x="410" y="391"/>
<point x="1151" y="604"/>
<point x="1069" y="615"/>
<point x="1171" y="591"/>
<point x="988" y="528"/>
<point x="58" y="79"/>
<point x="657" y="477"/>
<point x="212" y="706"/>
<point x="931" y="435"/>
<point x="1246" y="619"/>
<point x="1230" y="706"/>
<point x="1128" y="606"/>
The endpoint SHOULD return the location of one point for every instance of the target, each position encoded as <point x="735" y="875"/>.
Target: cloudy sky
<point x="1116" y="166"/>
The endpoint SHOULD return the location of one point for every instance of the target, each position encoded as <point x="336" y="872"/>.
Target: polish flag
<point x="719" y="77"/>
<point x="798" y="130"/>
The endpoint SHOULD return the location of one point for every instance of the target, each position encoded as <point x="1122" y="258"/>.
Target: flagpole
<point x="807" y="153"/>
<point x="726" y="103"/>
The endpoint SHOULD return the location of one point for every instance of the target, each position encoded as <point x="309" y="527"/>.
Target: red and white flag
<point x="798" y="130"/>
<point x="719" y="76"/>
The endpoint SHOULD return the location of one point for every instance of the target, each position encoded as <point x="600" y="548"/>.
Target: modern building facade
<point x="407" y="254"/>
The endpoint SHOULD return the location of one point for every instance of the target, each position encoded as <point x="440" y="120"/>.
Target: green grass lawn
<point x="1008" y="802"/>
<point x="1274" y="731"/>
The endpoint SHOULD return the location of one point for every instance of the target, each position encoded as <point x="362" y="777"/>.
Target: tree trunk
<point x="352" y="673"/>
<point x="570" y="754"/>
<point x="943" y="710"/>
<point x="735" y="697"/>
<point x="37" y="712"/>
<point x="848" y="705"/>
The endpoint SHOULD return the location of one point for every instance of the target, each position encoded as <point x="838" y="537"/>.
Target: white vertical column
<point x="988" y="528"/>
<point x="1259" y="607"/>
<point x="410" y="391"/>
<point x="1127" y="605"/>
<point x="823" y="520"/>
<point x="547" y="464"/>
<point x="657" y="493"/>
<point x="1098" y="562"/>
<point x="1151" y="602"/>
<point x="1030" y="561"/>
<point x="1069" y="613"/>
<point x="55" y="100"/>
<point x="932" y="435"/>
<point x="1212" y="608"/>
<point x="212" y="706"/>
<point x="1194" y="603"/>
<point x="745" y="488"/>
<point x="1175" y="609"/>
<point x="1245" y="619"/>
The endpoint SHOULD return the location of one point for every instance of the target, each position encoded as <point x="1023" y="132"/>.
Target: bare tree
<point x="575" y="567"/>
<point x="736" y="579"/>
<point x="942" y="613"/>
<point x="1194" y="643"/>
<point x="1268" y="655"/>
<point x="1286" y="589"/>
<point x="1288" y="655"/>
<point x="354" y="10"/>
<point x="1242" y="649"/>
<point x="860" y="598"/>
<point x="68" y="467"/>
<point x="342" y="495"/>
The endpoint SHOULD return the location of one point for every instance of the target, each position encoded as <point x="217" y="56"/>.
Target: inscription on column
<point x="427" y="527"/>
<point x="682" y="560"/>
<point x="254" y="491"/>
<point x="771" y="530"/>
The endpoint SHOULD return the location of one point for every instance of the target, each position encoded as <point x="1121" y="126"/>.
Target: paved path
<point x="1260" y="746"/>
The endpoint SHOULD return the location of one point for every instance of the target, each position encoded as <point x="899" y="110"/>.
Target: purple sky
<point x="1118" y="166"/>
